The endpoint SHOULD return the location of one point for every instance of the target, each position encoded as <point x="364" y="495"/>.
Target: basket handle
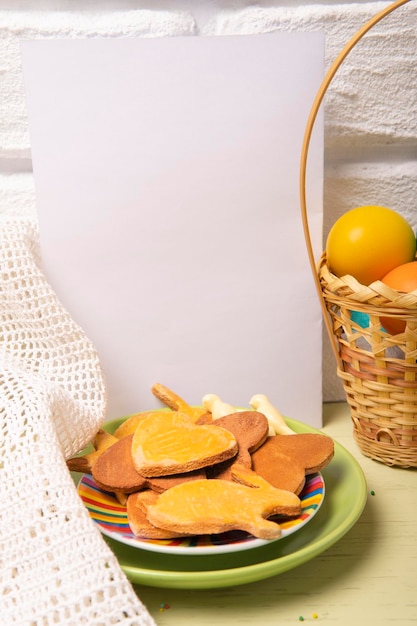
<point x="304" y="155"/>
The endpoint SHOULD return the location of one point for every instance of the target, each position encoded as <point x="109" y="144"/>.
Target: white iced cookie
<point x="216" y="406"/>
<point x="277" y="424"/>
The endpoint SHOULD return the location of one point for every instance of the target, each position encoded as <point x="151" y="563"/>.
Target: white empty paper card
<point x="166" y="175"/>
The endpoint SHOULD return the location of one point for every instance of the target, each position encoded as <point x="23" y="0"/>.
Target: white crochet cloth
<point x="55" y="568"/>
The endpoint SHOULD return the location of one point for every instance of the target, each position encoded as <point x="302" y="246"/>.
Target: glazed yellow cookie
<point x="171" y="443"/>
<point x="217" y="506"/>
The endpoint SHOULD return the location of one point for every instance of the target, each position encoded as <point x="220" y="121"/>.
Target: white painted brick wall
<point x="370" y="108"/>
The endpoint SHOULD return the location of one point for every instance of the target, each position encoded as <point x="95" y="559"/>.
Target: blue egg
<point x="361" y="319"/>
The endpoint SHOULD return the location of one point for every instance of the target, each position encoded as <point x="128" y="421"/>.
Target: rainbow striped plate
<point x="111" y="518"/>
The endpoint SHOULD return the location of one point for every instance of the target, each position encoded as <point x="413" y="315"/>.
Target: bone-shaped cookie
<point x="277" y="422"/>
<point x="216" y="406"/>
<point x="175" y="402"/>
<point x="258" y="402"/>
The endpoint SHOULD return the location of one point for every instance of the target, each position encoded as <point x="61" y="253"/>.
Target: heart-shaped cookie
<point x="171" y="443"/>
<point x="114" y="471"/>
<point x="250" y="429"/>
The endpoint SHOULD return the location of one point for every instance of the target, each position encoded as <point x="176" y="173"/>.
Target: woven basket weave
<point x="378" y="370"/>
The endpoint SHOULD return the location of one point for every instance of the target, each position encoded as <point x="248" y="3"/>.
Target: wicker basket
<point x="378" y="370"/>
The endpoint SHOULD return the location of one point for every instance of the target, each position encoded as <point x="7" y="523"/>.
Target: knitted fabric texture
<point x="55" y="567"/>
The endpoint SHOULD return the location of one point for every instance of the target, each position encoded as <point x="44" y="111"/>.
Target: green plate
<point x="345" y="498"/>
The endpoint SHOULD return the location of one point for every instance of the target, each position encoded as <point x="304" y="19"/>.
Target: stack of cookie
<point x="195" y="471"/>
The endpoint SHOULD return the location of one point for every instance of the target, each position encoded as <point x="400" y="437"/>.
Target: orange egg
<point x="369" y="241"/>
<point x="402" y="278"/>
